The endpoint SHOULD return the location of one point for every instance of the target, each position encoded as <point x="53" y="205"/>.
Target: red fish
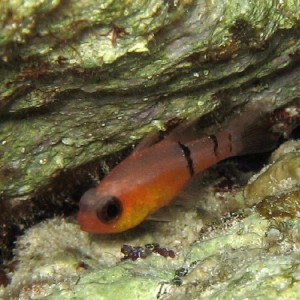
<point x="153" y="174"/>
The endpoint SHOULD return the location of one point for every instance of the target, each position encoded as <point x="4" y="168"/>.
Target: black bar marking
<point x="216" y="144"/>
<point x="187" y="154"/>
<point x="230" y="142"/>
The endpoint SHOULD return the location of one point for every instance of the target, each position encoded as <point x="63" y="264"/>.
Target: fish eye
<point x="109" y="209"/>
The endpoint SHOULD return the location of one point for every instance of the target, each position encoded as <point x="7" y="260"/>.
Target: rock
<point x="278" y="178"/>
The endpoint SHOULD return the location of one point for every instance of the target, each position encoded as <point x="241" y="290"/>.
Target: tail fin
<point x="256" y="138"/>
<point x="256" y="131"/>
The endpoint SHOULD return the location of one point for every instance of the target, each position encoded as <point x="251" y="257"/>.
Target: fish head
<point x="102" y="212"/>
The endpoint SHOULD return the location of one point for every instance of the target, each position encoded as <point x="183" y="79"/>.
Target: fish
<point x="152" y="175"/>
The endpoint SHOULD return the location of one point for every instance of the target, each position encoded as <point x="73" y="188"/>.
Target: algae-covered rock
<point x="83" y="80"/>
<point x="278" y="178"/>
<point x="250" y="256"/>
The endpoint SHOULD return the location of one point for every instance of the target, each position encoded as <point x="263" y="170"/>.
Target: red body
<point x="150" y="178"/>
<point x="152" y="175"/>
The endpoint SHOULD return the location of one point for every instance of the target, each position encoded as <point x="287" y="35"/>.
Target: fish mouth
<point x="86" y="220"/>
<point x="89" y="222"/>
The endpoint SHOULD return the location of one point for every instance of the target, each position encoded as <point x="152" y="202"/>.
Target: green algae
<point x="116" y="282"/>
<point x="44" y="150"/>
<point x="230" y="263"/>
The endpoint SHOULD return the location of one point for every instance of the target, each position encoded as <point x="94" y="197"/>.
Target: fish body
<point x="153" y="175"/>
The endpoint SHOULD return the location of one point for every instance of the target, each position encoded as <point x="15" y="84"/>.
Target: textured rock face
<point x="82" y="80"/>
<point x="280" y="178"/>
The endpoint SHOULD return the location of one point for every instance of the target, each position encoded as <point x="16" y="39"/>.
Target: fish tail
<point x="257" y="132"/>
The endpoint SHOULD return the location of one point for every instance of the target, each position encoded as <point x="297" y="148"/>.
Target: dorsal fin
<point x="149" y="140"/>
<point x="185" y="132"/>
<point x="181" y="133"/>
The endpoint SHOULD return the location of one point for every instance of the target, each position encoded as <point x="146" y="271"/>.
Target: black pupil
<point x="109" y="209"/>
